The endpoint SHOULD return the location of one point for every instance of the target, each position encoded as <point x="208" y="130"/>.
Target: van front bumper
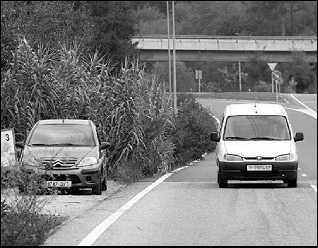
<point x="238" y="171"/>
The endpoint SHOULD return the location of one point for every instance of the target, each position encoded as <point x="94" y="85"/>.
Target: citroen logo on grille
<point x="259" y="158"/>
<point x="57" y="163"/>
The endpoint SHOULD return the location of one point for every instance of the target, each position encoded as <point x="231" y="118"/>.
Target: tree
<point x="303" y="73"/>
<point x="113" y="27"/>
<point x="149" y="20"/>
<point x="185" y="76"/>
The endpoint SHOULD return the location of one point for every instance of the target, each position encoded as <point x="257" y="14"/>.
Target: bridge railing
<point x="228" y="43"/>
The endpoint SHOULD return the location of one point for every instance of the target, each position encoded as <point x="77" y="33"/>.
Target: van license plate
<point x="259" y="167"/>
<point x="61" y="184"/>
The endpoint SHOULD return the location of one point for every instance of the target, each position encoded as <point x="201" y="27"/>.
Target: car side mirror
<point x="20" y="144"/>
<point x="299" y="137"/>
<point x="104" y="145"/>
<point x="215" y="136"/>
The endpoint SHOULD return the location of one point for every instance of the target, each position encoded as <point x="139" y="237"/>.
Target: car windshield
<point x="62" y="135"/>
<point x="256" y="127"/>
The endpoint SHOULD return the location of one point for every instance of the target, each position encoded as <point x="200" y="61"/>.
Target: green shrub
<point x="194" y="125"/>
<point x="22" y="221"/>
<point x="23" y="225"/>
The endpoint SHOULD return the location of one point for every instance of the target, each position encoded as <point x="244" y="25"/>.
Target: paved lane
<point x="189" y="209"/>
<point x="308" y="99"/>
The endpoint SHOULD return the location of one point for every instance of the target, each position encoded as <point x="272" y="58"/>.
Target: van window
<point x="256" y="127"/>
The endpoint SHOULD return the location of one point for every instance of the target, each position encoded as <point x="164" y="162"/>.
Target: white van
<point x="255" y="142"/>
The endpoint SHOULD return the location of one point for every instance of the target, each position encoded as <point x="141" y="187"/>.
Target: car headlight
<point x="285" y="157"/>
<point x="87" y="161"/>
<point x="231" y="157"/>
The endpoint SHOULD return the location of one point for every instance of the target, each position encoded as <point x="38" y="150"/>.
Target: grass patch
<point x="22" y="220"/>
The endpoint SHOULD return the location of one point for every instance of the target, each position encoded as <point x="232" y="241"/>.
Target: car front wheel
<point x="104" y="184"/>
<point x="97" y="188"/>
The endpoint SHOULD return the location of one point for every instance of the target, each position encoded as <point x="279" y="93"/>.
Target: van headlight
<point x="285" y="157"/>
<point x="232" y="157"/>
<point x="87" y="161"/>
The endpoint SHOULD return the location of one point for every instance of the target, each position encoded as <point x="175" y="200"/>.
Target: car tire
<point x="97" y="188"/>
<point x="221" y="181"/>
<point x="104" y="184"/>
<point x="292" y="183"/>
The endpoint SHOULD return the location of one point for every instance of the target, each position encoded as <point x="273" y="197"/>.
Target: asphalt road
<point x="188" y="208"/>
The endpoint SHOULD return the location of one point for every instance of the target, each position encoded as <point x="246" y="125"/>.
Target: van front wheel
<point x="292" y="183"/>
<point x="221" y="181"/>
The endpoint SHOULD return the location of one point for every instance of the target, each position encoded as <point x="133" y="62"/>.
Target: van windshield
<point x="256" y="127"/>
<point x="62" y="135"/>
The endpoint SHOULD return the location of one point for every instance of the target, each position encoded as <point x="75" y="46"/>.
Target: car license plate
<point x="61" y="184"/>
<point x="259" y="167"/>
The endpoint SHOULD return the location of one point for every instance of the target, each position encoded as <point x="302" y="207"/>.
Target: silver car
<point x="67" y="153"/>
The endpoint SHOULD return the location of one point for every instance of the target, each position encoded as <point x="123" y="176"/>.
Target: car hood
<point x="258" y="148"/>
<point x="78" y="152"/>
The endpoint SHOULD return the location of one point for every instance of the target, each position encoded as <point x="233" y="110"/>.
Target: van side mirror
<point x="104" y="145"/>
<point x="215" y="136"/>
<point x="299" y="137"/>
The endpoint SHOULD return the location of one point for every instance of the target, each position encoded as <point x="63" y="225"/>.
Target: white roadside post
<point x="278" y="78"/>
<point x="272" y="67"/>
<point x="240" y="76"/>
<point x="198" y="75"/>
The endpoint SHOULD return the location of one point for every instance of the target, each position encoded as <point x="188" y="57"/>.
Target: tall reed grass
<point x="130" y="109"/>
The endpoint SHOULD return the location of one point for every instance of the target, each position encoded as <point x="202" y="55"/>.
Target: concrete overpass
<point x="227" y="48"/>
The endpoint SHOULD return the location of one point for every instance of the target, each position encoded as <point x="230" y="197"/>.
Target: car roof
<point x="64" y="121"/>
<point x="255" y="109"/>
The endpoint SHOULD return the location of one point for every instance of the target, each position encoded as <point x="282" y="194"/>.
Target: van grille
<point x="257" y="158"/>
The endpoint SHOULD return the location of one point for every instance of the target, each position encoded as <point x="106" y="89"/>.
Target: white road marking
<point x="102" y="227"/>
<point x="309" y="111"/>
<point x="314" y="187"/>
<point x="179" y="169"/>
<point x="305" y="111"/>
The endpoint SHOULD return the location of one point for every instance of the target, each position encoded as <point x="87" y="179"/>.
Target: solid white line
<point x="314" y="113"/>
<point x="304" y="111"/>
<point x="102" y="227"/>
<point x="314" y="187"/>
<point x="179" y="169"/>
